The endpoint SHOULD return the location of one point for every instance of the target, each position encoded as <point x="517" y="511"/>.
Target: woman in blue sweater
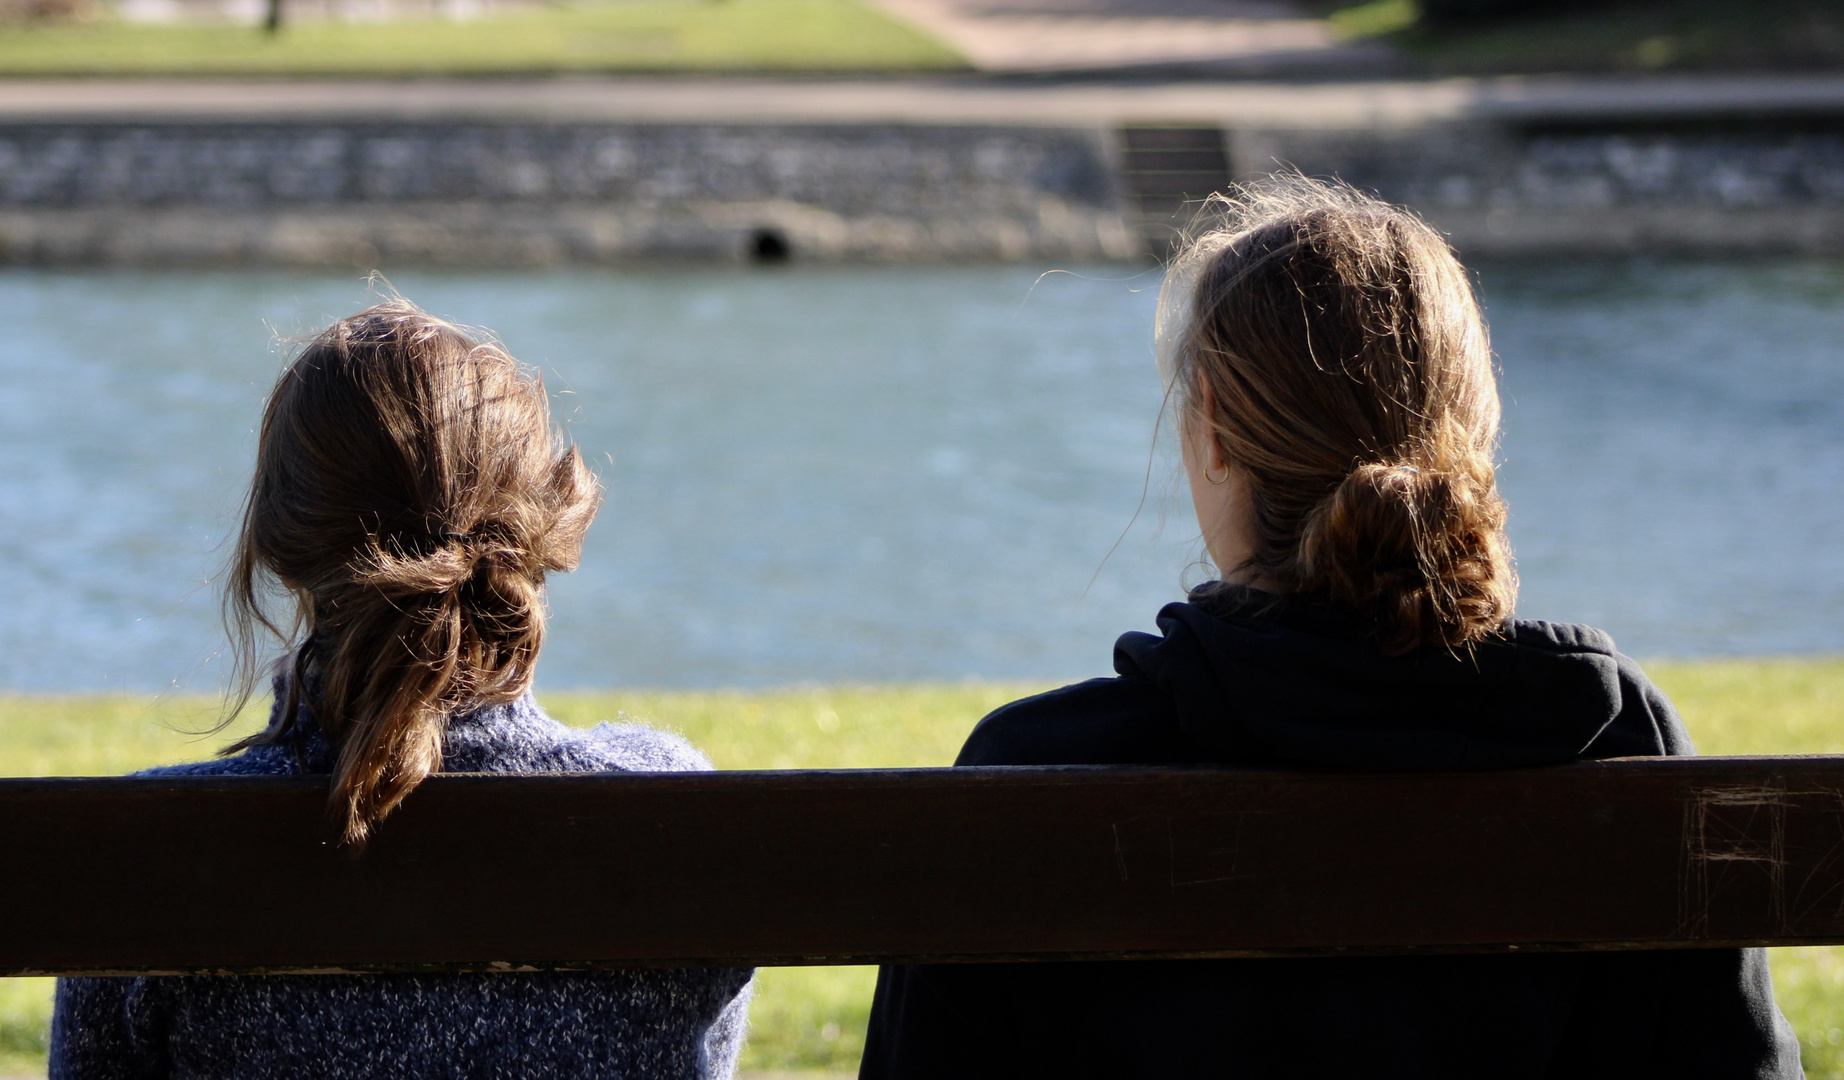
<point x="410" y="495"/>
<point x="1332" y="384"/>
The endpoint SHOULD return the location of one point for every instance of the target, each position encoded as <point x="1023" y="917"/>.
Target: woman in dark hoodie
<point x="1332" y="384"/>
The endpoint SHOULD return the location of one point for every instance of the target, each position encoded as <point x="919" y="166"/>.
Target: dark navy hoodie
<point x="1243" y="677"/>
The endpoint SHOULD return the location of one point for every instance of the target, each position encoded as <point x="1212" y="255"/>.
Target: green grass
<point x="809" y="1019"/>
<point x="1617" y="36"/>
<point x="1758" y="706"/>
<point x="1374" y="19"/>
<point x="832" y="727"/>
<point x="814" y="1018"/>
<point x="25" y="1025"/>
<point x="582" y="36"/>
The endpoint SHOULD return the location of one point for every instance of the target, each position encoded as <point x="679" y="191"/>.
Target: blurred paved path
<point x="1245" y="37"/>
<point x="926" y="101"/>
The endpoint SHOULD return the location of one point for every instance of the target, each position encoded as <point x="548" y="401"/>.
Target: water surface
<point x="897" y="474"/>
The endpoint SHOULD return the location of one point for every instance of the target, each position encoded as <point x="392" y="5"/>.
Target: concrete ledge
<point x="488" y="235"/>
<point x="1358" y="105"/>
<point x="1662" y="230"/>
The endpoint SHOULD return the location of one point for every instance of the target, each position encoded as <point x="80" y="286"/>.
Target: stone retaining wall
<point x="365" y="193"/>
<point x="1715" y="187"/>
<point x="485" y="194"/>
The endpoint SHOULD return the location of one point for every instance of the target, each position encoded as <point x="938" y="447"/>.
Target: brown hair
<point x="1353" y="387"/>
<point x="410" y="494"/>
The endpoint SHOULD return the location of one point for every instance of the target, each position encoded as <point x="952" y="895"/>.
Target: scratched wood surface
<point x="478" y="872"/>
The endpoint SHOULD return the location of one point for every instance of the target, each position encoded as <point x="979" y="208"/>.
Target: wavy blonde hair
<point x="410" y="494"/>
<point x="1353" y="386"/>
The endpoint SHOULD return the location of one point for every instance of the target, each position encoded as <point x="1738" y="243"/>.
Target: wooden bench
<point x="495" y="872"/>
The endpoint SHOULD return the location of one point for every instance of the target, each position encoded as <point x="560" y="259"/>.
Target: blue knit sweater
<point x="630" y="1024"/>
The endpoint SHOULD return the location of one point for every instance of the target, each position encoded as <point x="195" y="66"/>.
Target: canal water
<point x="821" y="475"/>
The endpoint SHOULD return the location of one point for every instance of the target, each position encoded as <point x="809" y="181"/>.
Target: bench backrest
<point x="491" y="872"/>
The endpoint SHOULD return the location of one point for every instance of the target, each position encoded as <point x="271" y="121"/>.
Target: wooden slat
<point x="480" y="872"/>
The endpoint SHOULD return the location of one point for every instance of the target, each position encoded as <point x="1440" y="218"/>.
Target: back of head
<point x="1351" y="382"/>
<point x="410" y="494"/>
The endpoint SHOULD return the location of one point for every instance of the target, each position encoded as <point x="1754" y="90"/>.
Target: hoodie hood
<point x="1257" y="676"/>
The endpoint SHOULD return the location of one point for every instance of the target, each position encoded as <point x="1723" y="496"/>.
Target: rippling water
<point x="894" y="474"/>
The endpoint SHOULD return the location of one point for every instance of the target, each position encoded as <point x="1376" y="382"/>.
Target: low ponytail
<point x="411" y="496"/>
<point x="1350" y="380"/>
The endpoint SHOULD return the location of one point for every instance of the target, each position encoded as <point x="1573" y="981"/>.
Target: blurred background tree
<point x="1479" y="37"/>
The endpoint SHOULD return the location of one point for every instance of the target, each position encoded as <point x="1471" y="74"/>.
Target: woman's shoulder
<point x="1640" y="719"/>
<point x="271" y="759"/>
<point x="1644" y="721"/>
<point x="520" y="736"/>
<point x="1562" y="637"/>
<point x="636" y="747"/>
<point x="1120" y="720"/>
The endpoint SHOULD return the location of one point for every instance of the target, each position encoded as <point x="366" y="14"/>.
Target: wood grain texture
<point x="485" y="872"/>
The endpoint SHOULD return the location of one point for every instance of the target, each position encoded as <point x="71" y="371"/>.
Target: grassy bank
<point x="816" y="36"/>
<point x="813" y="1019"/>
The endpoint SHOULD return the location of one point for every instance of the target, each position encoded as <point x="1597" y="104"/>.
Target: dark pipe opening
<point x="769" y="246"/>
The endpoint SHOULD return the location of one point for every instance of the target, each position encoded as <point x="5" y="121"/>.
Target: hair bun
<point x="1420" y="549"/>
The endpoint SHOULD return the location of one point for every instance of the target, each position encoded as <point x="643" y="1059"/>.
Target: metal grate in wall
<point x="1168" y="170"/>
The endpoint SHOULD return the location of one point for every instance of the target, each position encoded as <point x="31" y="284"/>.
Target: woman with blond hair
<point x="1332" y="385"/>
<point x="410" y="495"/>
